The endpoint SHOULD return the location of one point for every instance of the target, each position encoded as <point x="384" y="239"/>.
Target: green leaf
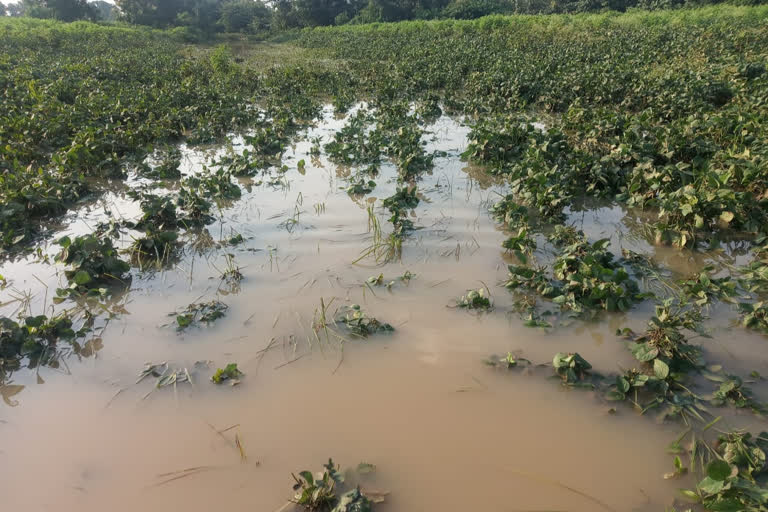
<point x="718" y="470"/>
<point x="691" y="495"/>
<point x="35" y="321"/>
<point x="661" y="369"/>
<point x="711" y="486"/>
<point x="725" y="505"/>
<point x="365" y="468"/>
<point x="643" y="352"/>
<point x="82" y="277"/>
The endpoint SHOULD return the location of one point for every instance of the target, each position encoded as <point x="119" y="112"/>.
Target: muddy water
<point x="445" y="431"/>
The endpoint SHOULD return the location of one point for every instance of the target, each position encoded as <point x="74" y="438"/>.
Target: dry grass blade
<point x="229" y="428"/>
<point x="184" y="474"/>
<point x="557" y="483"/>
<point x="289" y="362"/>
<point x="239" y="444"/>
<point x="114" y="397"/>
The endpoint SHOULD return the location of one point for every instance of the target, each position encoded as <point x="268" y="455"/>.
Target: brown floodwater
<point x="445" y="431"/>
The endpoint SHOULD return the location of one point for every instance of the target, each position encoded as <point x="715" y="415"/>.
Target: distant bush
<point x="187" y="34"/>
<point x="471" y="9"/>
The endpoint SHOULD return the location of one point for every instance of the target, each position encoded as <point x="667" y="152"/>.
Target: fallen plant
<point x="229" y="373"/>
<point x="360" y="324"/>
<point x="204" y="312"/>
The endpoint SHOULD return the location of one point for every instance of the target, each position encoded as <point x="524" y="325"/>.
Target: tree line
<point x="258" y="17"/>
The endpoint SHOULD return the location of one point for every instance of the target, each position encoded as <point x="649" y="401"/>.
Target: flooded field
<point x="445" y="430"/>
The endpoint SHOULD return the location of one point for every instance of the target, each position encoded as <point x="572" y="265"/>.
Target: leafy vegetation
<point x="571" y="368"/>
<point x="317" y="492"/>
<point x="93" y="261"/>
<point x="660" y="115"/>
<point x="36" y="339"/>
<point x="731" y="468"/>
<point x="359" y="323"/>
<point x="228" y="373"/>
<point x="204" y="312"/>
<point x="474" y="299"/>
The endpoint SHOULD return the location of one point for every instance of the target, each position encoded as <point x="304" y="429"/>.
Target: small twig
<point x="289" y="362"/>
<point x="114" y="396"/>
<point x="239" y="444"/>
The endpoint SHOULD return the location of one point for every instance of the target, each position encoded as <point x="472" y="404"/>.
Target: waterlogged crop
<point x="586" y="278"/>
<point x="36" y="339"/>
<point x="318" y="492"/>
<point x="572" y="369"/>
<point x="732" y="475"/>
<point x="475" y="299"/>
<point x="660" y="117"/>
<point x="359" y="323"/>
<point x="93" y="261"/>
<point x="167" y="161"/>
<point x="755" y="315"/>
<point x="664" y="344"/>
<point x="203" y="312"/>
<point x="229" y="373"/>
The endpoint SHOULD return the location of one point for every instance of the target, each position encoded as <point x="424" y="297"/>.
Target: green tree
<point x="156" y="13"/>
<point x="285" y="15"/>
<point x="397" y="10"/>
<point x="64" y="10"/>
<point x="202" y="14"/>
<point x="471" y="9"/>
<point x="15" y="9"/>
<point x="244" y="15"/>
<point x="71" y="10"/>
<point x="106" y="11"/>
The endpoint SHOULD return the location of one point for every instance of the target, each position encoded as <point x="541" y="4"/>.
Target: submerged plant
<point x="563" y="236"/>
<point x="165" y="375"/>
<point x="204" y="312"/>
<point x="754" y="315"/>
<point x="361" y="187"/>
<point x="93" y="261"/>
<point x="509" y="212"/>
<point x="360" y="324"/>
<point x="229" y="373"/>
<point x="664" y="344"/>
<point x="520" y="244"/>
<point x="231" y="275"/>
<point x="215" y="185"/>
<point x="730" y="481"/>
<point x="243" y="164"/>
<point x="509" y="361"/>
<point x="733" y="391"/>
<point x="702" y="288"/>
<point x="155" y="247"/>
<point x="474" y="299"/>
<point x="398" y="204"/>
<point x="317" y="492"/>
<point x="522" y="277"/>
<point x="36" y="338"/>
<point x="168" y="160"/>
<point x="592" y="280"/>
<point x="571" y="368"/>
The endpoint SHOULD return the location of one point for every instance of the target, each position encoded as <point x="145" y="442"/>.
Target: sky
<point x="14" y="1"/>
